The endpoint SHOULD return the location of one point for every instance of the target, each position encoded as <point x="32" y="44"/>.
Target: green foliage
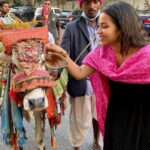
<point x="38" y="2"/>
<point x="16" y="3"/>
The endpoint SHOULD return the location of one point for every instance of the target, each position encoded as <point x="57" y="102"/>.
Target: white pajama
<point x="83" y="109"/>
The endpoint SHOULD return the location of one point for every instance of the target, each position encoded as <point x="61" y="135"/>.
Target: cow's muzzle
<point x="36" y="100"/>
<point x="37" y="104"/>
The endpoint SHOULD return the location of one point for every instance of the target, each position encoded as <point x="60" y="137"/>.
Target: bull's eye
<point x="43" y="99"/>
<point x="31" y="103"/>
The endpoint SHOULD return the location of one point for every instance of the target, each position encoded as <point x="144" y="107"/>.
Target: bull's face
<point x="26" y="55"/>
<point x="35" y="100"/>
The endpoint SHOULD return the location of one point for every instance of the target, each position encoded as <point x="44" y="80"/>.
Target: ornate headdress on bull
<point x="30" y="83"/>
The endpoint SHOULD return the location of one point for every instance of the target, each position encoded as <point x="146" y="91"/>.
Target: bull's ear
<point x="55" y="61"/>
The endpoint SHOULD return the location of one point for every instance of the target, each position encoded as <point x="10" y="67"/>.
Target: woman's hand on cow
<point x="55" y="49"/>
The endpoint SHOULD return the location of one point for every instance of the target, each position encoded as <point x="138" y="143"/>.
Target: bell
<point x="55" y="61"/>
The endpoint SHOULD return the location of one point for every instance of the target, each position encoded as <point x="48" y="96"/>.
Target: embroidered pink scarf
<point x="135" y="69"/>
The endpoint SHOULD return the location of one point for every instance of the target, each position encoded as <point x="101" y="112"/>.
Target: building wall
<point x="69" y="5"/>
<point x="138" y="4"/>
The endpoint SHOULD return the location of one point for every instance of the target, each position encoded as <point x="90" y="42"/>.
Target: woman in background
<point x="41" y="24"/>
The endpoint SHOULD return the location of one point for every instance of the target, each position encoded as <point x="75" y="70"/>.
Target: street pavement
<point x="61" y="136"/>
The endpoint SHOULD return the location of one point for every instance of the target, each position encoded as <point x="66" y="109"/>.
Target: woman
<point x="119" y="70"/>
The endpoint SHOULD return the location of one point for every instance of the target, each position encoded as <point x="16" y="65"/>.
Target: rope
<point x="84" y="50"/>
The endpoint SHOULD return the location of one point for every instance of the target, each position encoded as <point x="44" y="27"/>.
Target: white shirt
<point x="51" y="38"/>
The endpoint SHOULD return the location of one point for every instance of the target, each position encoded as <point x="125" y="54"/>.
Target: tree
<point x="147" y="4"/>
<point x="58" y="3"/>
<point x="30" y="2"/>
<point x="16" y="3"/>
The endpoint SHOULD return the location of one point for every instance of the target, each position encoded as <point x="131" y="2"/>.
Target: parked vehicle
<point x="55" y="10"/>
<point x="65" y="17"/>
<point x="68" y="16"/>
<point x="145" y="18"/>
<point x="24" y="13"/>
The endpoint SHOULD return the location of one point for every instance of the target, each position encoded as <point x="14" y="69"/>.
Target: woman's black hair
<point x="126" y="19"/>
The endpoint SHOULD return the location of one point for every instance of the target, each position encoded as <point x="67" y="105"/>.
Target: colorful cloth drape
<point x="12" y="123"/>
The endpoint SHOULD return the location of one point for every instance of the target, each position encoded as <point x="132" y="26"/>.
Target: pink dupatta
<point x="135" y="69"/>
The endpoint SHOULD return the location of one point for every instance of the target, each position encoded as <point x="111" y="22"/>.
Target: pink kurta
<point x="135" y="69"/>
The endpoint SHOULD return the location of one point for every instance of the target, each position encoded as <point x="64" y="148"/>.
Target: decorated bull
<point x="32" y="85"/>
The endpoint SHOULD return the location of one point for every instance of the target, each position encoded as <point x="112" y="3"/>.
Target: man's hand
<point x="58" y="42"/>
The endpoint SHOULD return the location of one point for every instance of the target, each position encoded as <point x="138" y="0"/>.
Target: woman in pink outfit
<point x="119" y="70"/>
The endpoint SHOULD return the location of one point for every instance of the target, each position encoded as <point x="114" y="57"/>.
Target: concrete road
<point x="61" y="136"/>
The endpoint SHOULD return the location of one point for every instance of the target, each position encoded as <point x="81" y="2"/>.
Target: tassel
<point x="53" y="139"/>
<point x="15" y="147"/>
<point x="53" y="142"/>
<point x="13" y="143"/>
<point x="51" y="104"/>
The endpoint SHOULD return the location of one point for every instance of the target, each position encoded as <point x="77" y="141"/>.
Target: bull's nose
<point x="41" y="100"/>
<point x="36" y="103"/>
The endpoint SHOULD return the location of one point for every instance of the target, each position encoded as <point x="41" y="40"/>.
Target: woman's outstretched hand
<point x="55" y="49"/>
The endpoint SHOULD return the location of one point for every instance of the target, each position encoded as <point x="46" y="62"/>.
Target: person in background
<point x="4" y="9"/>
<point x="41" y="24"/>
<point x="82" y="99"/>
<point x="52" y="21"/>
<point x="119" y="70"/>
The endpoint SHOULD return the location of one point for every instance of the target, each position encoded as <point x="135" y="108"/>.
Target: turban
<point x="80" y="2"/>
